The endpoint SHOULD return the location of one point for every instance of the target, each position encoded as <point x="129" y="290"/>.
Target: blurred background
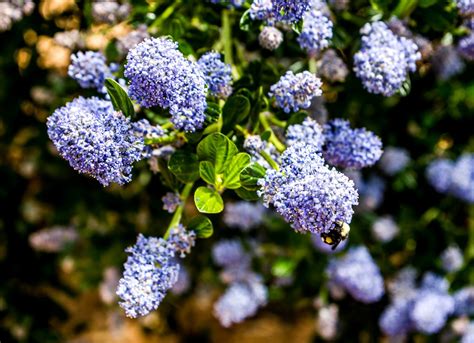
<point x="62" y="235"/>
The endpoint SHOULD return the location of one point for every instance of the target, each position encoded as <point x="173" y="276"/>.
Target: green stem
<point x="269" y="159"/>
<point x="227" y="36"/>
<point x="168" y="139"/>
<point x="167" y="125"/>
<point x="165" y="15"/>
<point x="273" y="138"/>
<point x="275" y="121"/>
<point x="470" y="225"/>
<point x="312" y="64"/>
<point x="242" y="130"/>
<point x="179" y="211"/>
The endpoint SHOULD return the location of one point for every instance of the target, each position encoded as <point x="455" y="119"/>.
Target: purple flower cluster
<point x="357" y="273"/>
<point x="350" y="148"/>
<point x="332" y="67"/>
<point x="468" y="336"/>
<point x="309" y="131"/>
<point x="394" y="160"/>
<point x="246" y="293"/>
<point x="89" y="69"/>
<point x="466" y="7"/>
<point x="384" y="60"/>
<point x="53" y="239"/>
<point x="290" y="11"/>
<point x="456" y="178"/>
<point x="161" y="76"/>
<point x="308" y="194"/>
<point x="270" y="38"/>
<point x="425" y="309"/>
<point x="316" y="33"/>
<point x="218" y="75"/>
<point x="371" y="193"/>
<point x="240" y="301"/>
<point x="384" y="229"/>
<point x="95" y="139"/>
<point x="452" y="259"/>
<point x="135" y="37"/>
<point x="110" y="11"/>
<point x="143" y="129"/>
<point x="150" y="272"/>
<point x="12" y="11"/>
<point x="294" y="92"/>
<point x="464" y="301"/>
<point x="261" y="10"/>
<point x="171" y="201"/>
<point x="253" y="144"/>
<point x="447" y="62"/>
<point x="243" y="215"/>
<point x="234" y="3"/>
<point x="466" y="47"/>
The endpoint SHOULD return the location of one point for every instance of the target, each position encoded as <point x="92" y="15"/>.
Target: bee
<point x="336" y="235"/>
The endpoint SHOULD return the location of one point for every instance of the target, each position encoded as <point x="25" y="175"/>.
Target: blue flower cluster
<point x="425" y="309"/>
<point x="455" y="178"/>
<point x="171" y="201"/>
<point x="151" y="270"/>
<point x="384" y="59"/>
<point x="466" y="7"/>
<point x="464" y="301"/>
<point x="358" y="274"/>
<point x="332" y="67"/>
<point x="295" y="91"/>
<point x="243" y="215"/>
<point x="95" y="139"/>
<point x="246" y="293"/>
<point x="145" y="130"/>
<point x="447" y="62"/>
<point x="452" y="259"/>
<point x="468" y="336"/>
<point x="350" y="148"/>
<point x="308" y="194"/>
<point x="261" y="10"/>
<point x="309" y="131"/>
<point x="290" y="11"/>
<point x="466" y="47"/>
<point x="394" y="160"/>
<point x="234" y="3"/>
<point x="240" y="301"/>
<point x="218" y="75"/>
<point x="161" y="76"/>
<point x="270" y="38"/>
<point x="384" y="229"/>
<point x="89" y="69"/>
<point x="316" y="33"/>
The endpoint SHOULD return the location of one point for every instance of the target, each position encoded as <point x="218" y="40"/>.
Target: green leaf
<point x="404" y="8"/>
<point x="184" y="165"/>
<point x="297" y="118"/>
<point x="236" y="109"/>
<point x="426" y="3"/>
<point x="266" y="135"/>
<point x="246" y="194"/>
<point x="207" y="172"/>
<point x="283" y="267"/>
<point x="232" y="173"/>
<point x="167" y="177"/>
<point x="213" y="112"/>
<point x="250" y="176"/>
<point x="208" y="200"/>
<point x="298" y="27"/>
<point x="218" y="149"/>
<point x="119" y="98"/>
<point x="202" y="226"/>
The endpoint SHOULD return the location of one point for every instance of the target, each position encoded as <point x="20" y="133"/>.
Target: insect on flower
<point x="336" y="235"/>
